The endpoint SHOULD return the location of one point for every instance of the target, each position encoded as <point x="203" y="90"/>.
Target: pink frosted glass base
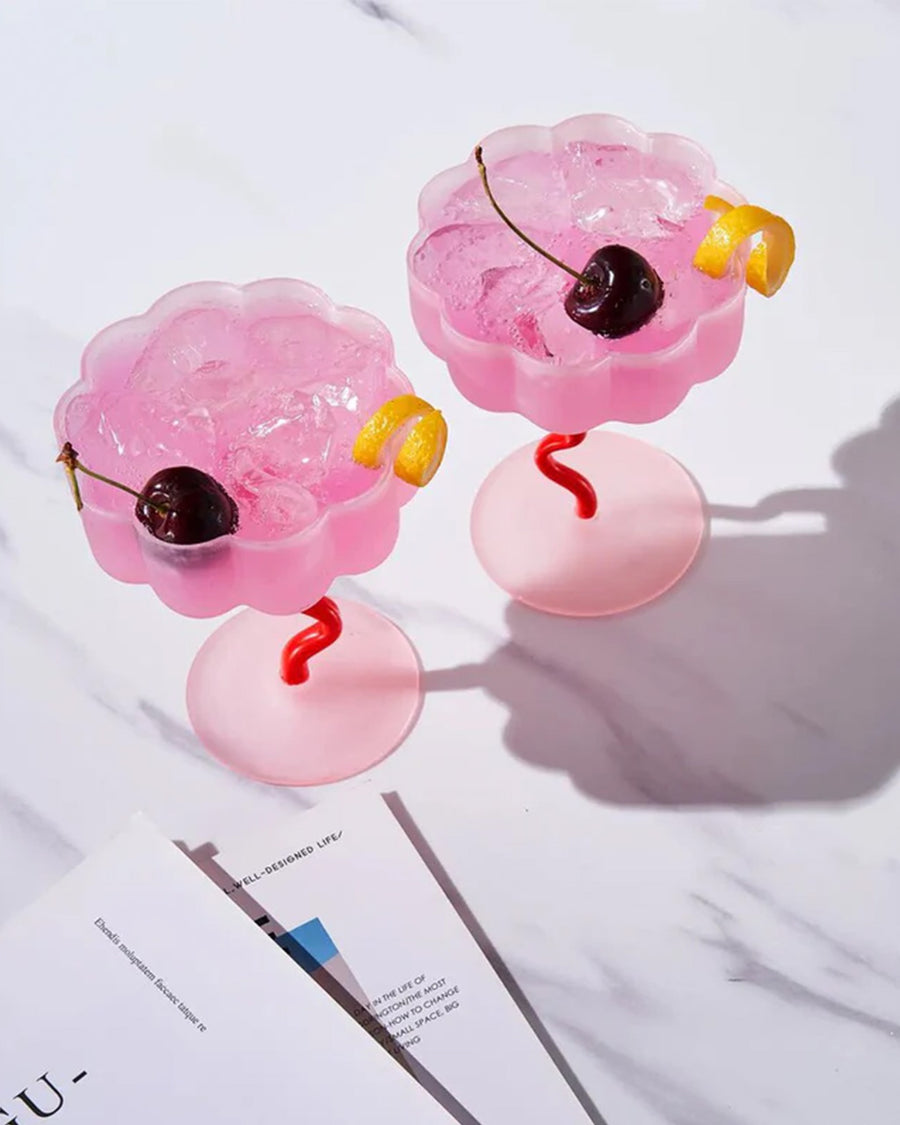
<point x="648" y="528"/>
<point x="361" y="699"/>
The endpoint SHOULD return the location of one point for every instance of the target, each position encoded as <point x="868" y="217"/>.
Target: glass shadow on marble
<point x="768" y="675"/>
<point x="409" y="826"/>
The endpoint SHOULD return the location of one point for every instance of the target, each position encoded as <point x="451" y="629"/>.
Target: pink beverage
<point x="264" y="387"/>
<point x="269" y="405"/>
<point x="493" y="307"/>
<point x="499" y="290"/>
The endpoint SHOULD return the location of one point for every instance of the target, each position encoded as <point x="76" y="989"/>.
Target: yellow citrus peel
<point x="769" y="260"/>
<point x="421" y="450"/>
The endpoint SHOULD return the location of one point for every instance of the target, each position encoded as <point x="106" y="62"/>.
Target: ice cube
<point x="512" y="301"/>
<point x="567" y="341"/>
<point x="301" y="348"/>
<point x="219" y="386"/>
<point x="130" y="436"/>
<point x="590" y="176"/>
<point x="454" y="259"/>
<point x="275" y="509"/>
<point x="208" y="344"/>
<point x="355" y="383"/>
<point x="622" y="193"/>
<point x="526" y="335"/>
<point x="529" y="187"/>
<point x="353" y="388"/>
<point x="288" y="438"/>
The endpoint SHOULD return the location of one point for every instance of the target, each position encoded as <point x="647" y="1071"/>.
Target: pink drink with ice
<point x="494" y="309"/>
<point x="265" y="387"/>
<point x="268" y="405"/>
<point x="572" y="202"/>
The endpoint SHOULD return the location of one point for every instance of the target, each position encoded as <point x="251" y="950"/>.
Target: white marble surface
<point x="679" y="829"/>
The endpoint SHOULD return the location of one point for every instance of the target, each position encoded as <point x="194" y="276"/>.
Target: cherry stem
<point x="299" y="650"/>
<point x="580" y="487"/>
<point x="516" y="230"/>
<point x="69" y="457"/>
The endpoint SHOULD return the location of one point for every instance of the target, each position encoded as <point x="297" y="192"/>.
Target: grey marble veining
<point x="387" y="13"/>
<point x="35" y="829"/>
<point x="842" y="951"/>
<point x="675" y="1101"/>
<point x="746" y="967"/>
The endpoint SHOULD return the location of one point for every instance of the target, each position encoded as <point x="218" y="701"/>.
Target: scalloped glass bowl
<point x="492" y="309"/>
<point x="637" y="379"/>
<point x="277" y="576"/>
<point x="363" y="691"/>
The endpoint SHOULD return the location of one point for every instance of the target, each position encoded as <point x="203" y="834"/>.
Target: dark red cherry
<point x="178" y="505"/>
<point x="619" y="293"/>
<point x="186" y="505"/>
<point x="615" y="294"/>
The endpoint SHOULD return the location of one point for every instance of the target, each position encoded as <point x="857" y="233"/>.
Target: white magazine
<point x="134" y="993"/>
<point x="343" y="890"/>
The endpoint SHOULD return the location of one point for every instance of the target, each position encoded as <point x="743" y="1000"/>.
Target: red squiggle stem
<point x="580" y="487"/>
<point x="299" y="650"/>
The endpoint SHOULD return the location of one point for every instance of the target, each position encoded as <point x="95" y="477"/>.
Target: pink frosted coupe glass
<point x="492" y="308"/>
<point x="263" y="386"/>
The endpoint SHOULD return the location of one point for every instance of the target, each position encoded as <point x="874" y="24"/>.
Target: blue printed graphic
<point x="310" y="945"/>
